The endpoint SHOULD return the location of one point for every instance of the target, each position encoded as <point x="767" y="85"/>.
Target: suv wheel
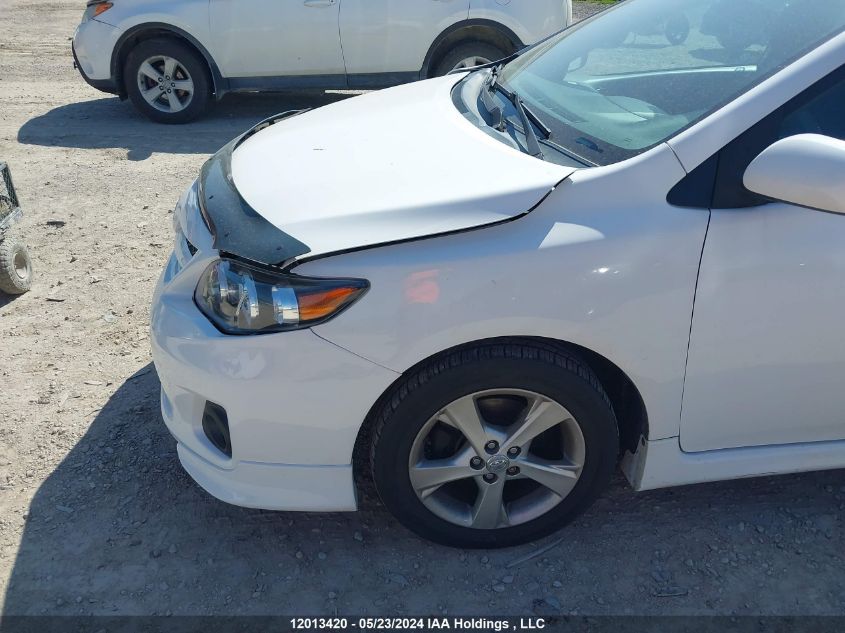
<point x="167" y="81"/>
<point x="468" y="55"/>
<point x="494" y="445"/>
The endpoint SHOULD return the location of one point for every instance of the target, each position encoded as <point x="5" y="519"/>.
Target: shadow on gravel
<point x="7" y="299"/>
<point x="110" y="123"/>
<point x="118" y="529"/>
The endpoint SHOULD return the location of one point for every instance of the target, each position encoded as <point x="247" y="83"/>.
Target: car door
<point x="393" y="36"/>
<point x="767" y="351"/>
<point x="267" y="38"/>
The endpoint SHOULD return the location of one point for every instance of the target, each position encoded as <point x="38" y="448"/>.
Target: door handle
<point x="320" y="3"/>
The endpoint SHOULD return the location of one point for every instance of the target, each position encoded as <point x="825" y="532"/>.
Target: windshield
<point x="640" y="72"/>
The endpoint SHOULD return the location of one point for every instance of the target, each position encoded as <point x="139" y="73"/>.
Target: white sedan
<point x="489" y="289"/>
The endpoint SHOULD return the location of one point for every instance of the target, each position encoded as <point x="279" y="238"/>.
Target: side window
<point x="818" y="110"/>
<point x="821" y="114"/>
<point x="717" y="182"/>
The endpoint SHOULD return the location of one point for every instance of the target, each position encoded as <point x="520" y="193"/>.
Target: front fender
<point x="188" y="22"/>
<point x="603" y="262"/>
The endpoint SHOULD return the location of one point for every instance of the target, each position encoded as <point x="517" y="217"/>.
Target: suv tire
<point x="167" y="81"/>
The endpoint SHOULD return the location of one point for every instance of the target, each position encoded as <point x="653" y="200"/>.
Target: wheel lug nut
<point x="513" y="470"/>
<point x="490" y="478"/>
<point x="476" y="462"/>
<point x="492" y="446"/>
<point x="513" y="451"/>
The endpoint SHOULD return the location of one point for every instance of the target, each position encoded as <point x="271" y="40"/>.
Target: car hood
<point x="383" y="167"/>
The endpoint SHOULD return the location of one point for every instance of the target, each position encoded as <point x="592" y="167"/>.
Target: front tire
<point x="494" y="445"/>
<point x="167" y="81"/>
<point x="468" y="55"/>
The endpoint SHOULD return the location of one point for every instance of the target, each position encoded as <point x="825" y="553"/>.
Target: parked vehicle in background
<point x="172" y="58"/>
<point x="520" y="273"/>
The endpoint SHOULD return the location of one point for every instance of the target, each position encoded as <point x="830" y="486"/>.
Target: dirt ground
<point x="96" y="515"/>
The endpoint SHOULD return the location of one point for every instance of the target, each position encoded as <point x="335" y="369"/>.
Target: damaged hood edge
<point x="385" y="167"/>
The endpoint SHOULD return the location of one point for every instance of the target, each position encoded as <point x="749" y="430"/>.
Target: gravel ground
<point x="96" y="515"/>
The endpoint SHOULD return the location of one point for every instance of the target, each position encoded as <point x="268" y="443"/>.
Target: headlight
<point x="95" y="8"/>
<point x="243" y="299"/>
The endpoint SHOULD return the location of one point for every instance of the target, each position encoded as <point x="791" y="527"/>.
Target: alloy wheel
<point x="165" y="84"/>
<point x="496" y="458"/>
<point x="21" y="265"/>
<point x="471" y="62"/>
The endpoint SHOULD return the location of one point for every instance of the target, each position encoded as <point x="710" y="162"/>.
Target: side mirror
<point x="807" y="170"/>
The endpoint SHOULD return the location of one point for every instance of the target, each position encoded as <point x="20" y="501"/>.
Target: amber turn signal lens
<point x="102" y="8"/>
<point x="320" y="304"/>
<point x="241" y="298"/>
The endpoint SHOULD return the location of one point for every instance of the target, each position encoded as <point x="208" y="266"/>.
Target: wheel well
<point x="471" y="31"/>
<point x="626" y="399"/>
<point x="135" y="36"/>
<point x="624" y="396"/>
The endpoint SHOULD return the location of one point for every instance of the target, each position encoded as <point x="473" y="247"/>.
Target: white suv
<point x="170" y="58"/>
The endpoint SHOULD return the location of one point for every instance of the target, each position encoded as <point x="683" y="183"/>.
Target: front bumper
<point x="92" y="47"/>
<point x="294" y="402"/>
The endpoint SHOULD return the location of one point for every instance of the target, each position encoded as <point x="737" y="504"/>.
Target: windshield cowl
<point x="497" y="115"/>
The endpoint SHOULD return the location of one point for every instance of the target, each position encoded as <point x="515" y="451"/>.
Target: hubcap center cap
<point x="498" y="463"/>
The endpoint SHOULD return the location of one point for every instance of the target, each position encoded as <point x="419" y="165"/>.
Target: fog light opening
<point x="215" y="425"/>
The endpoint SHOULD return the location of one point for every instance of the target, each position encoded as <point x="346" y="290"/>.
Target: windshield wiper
<point x="526" y="115"/>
